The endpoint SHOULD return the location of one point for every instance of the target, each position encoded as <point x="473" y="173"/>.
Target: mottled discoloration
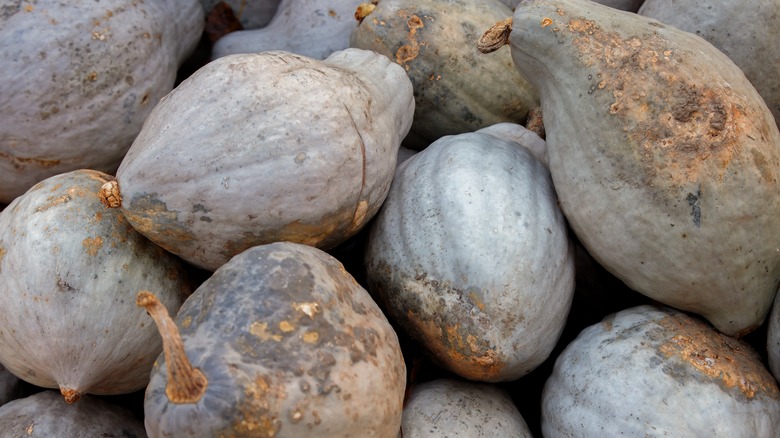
<point x="680" y="131"/>
<point x="151" y="217"/>
<point x="455" y="333"/>
<point x="728" y="362"/>
<point x="294" y="339"/>
<point x="20" y="163"/>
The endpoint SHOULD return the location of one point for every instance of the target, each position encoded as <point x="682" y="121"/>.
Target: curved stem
<point x="185" y="383"/>
<point x="495" y="37"/>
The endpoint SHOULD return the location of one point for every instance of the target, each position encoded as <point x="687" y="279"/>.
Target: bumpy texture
<point x="69" y="272"/>
<point x="746" y="32"/>
<point x="290" y="149"/>
<point x="664" y="156"/>
<point x="655" y="371"/>
<point x="470" y="255"/>
<point x="80" y="77"/>
<point x="291" y="346"/>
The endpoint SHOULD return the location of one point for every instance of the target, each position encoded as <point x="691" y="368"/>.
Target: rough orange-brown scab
<point x="409" y="52"/>
<point x="257" y="409"/>
<point x="728" y="362"/>
<point x="682" y="129"/>
<point x="92" y="245"/>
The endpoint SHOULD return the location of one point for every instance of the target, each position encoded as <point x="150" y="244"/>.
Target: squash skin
<point x="456" y="88"/>
<point x="470" y="256"/>
<point x="295" y="149"/>
<point x="313" y="28"/>
<point x="452" y="408"/>
<point x="665" y="167"/>
<point x="291" y="346"/>
<point x="44" y="415"/>
<point x="746" y="33"/>
<point x="79" y="79"/>
<point x="69" y="271"/>
<point x="655" y="371"/>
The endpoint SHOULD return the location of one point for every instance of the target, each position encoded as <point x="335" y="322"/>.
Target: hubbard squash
<point x="291" y="148"/>
<point x="279" y="342"/>
<point x="470" y="256"/>
<point x="69" y="271"/>
<point x="80" y="77"/>
<point x="655" y="371"/>
<point x="665" y="159"/>
<point x="45" y="415"/>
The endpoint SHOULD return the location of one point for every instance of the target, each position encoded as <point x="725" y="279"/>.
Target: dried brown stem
<point x="109" y="194"/>
<point x="495" y="37"/>
<point x="185" y="383"/>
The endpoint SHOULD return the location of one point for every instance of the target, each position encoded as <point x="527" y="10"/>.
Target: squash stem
<point x="495" y="37"/>
<point x="185" y="383"/>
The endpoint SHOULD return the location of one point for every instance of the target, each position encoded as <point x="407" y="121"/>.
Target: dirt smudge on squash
<point x="150" y="216"/>
<point x="449" y="321"/>
<point x="712" y="356"/>
<point x="2" y="256"/>
<point x="680" y="129"/>
<point x="20" y="163"/>
<point x="257" y="408"/>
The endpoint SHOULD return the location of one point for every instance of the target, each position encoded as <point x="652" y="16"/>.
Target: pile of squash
<point x="372" y="219"/>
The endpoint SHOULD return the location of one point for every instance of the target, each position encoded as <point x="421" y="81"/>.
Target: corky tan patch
<point x="726" y="361"/>
<point x="408" y="52"/>
<point x="681" y="127"/>
<point x="92" y="245"/>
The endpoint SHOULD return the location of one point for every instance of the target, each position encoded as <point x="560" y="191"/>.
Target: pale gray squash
<point x="665" y="158"/>
<point x="450" y="408"/>
<point x="654" y="371"/>
<point x="69" y="272"/>
<point x="79" y="78"/>
<point x="470" y="256"/>
<point x="265" y="147"/>
<point x="747" y="32"/>
<point x="313" y="28"/>
<point x="46" y="415"/>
